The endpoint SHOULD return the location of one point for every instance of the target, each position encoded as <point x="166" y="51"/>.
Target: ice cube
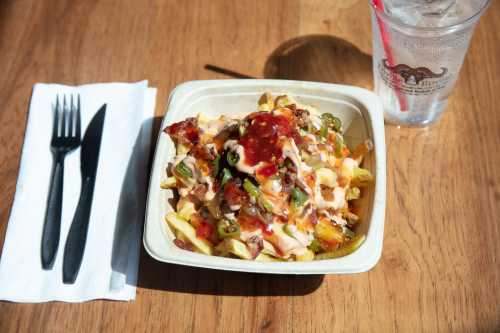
<point x="432" y="13"/>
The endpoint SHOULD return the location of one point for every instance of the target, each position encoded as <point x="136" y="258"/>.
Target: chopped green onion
<point x="323" y="132"/>
<point x="216" y="165"/>
<point x="242" y="130"/>
<point x="266" y="204"/>
<point x="288" y="230"/>
<point x="302" y="132"/>
<point x="232" y="158"/>
<point x="251" y="188"/>
<point x="331" y="121"/>
<point x="228" y="228"/>
<point x="288" y="163"/>
<point x="315" y="246"/>
<point x="298" y="197"/>
<point x="184" y="170"/>
<point x="226" y="176"/>
<point x="353" y="193"/>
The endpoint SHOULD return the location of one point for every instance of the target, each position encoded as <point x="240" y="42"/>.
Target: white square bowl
<point x="362" y="118"/>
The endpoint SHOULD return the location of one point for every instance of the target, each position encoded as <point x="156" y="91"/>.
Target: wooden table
<point x="439" y="269"/>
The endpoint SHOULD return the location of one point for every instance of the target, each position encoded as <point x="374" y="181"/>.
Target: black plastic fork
<point x="66" y="137"/>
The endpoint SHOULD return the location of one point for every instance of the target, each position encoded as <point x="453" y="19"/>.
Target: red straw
<point x="386" y="41"/>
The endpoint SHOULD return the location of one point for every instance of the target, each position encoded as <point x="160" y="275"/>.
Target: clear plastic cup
<point x="417" y="57"/>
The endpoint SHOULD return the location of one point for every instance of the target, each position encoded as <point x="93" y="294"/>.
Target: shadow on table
<point x="161" y="276"/>
<point x="321" y="58"/>
<point x="131" y="206"/>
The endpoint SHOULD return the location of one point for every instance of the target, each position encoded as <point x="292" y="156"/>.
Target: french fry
<point x="182" y="149"/>
<point x="283" y="101"/>
<point x="182" y="226"/>
<point x="169" y="182"/>
<point x="266" y="102"/>
<point x="185" y="209"/>
<point x="346" y="248"/>
<point x="307" y="256"/>
<point x="324" y="230"/>
<point x="237" y="248"/>
<point x="361" y="177"/>
<point x="266" y="257"/>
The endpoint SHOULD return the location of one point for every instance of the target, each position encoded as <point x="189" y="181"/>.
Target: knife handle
<point x="77" y="236"/>
<point x="52" y="225"/>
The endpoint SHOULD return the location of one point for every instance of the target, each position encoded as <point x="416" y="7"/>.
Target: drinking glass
<point x="417" y="55"/>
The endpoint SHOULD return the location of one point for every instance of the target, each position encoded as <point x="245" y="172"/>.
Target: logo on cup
<point x="413" y="80"/>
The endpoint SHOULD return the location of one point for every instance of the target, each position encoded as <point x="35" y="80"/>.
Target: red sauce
<point x="267" y="170"/>
<point x="261" y="140"/>
<point x="204" y="230"/>
<point x="234" y="195"/>
<point x="184" y="131"/>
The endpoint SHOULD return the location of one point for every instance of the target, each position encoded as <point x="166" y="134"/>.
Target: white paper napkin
<point x="111" y="259"/>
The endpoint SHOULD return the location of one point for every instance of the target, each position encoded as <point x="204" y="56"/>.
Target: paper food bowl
<point x="361" y="113"/>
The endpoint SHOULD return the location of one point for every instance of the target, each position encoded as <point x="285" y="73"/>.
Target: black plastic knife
<point x="77" y="236"/>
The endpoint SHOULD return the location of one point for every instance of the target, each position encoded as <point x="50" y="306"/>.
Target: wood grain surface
<point x="439" y="270"/>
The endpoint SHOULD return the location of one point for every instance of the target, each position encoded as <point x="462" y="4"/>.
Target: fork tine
<point x="63" y="122"/>
<point x="77" y="125"/>
<point x="71" y="117"/>
<point x="55" y="126"/>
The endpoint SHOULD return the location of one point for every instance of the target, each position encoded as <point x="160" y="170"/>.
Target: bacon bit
<point x="185" y="132"/>
<point x="182" y="245"/>
<point x="288" y="182"/>
<point x="313" y="218"/>
<point x="204" y="230"/>
<point x="199" y="191"/>
<point x="255" y="245"/>
<point x="234" y="195"/>
<point x="216" y="186"/>
<point x="202" y="152"/>
<point x="301" y="117"/>
<point x="296" y="137"/>
<point x="280" y="219"/>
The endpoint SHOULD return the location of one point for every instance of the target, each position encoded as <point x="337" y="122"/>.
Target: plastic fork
<point x="66" y="137"/>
